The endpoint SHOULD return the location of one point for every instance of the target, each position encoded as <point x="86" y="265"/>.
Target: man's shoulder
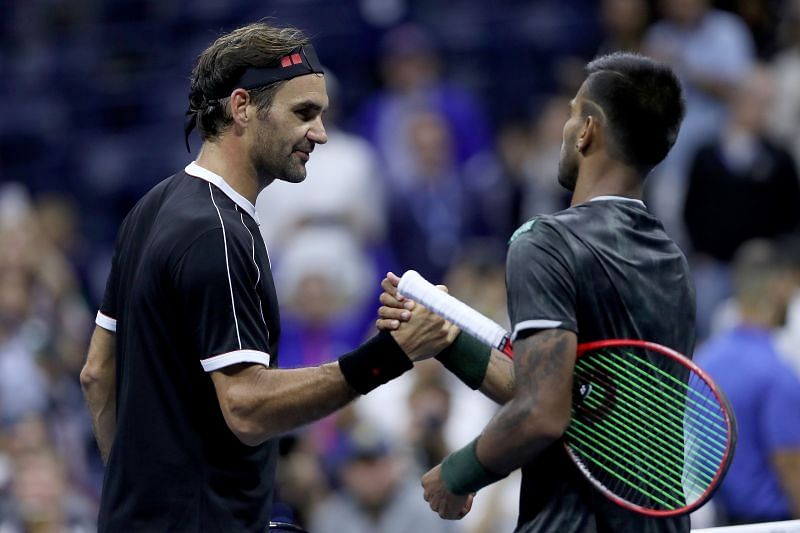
<point x="537" y="227"/>
<point x="186" y="203"/>
<point x="177" y="210"/>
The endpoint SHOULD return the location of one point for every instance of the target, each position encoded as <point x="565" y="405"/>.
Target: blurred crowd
<point x="445" y="132"/>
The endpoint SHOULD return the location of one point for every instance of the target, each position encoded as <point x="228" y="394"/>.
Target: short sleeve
<point x="107" y="314"/>
<point x="216" y="282"/>
<point x="540" y="280"/>
<point x="781" y="415"/>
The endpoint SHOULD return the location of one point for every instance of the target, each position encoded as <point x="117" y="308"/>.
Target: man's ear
<point x="240" y="100"/>
<point x="588" y="134"/>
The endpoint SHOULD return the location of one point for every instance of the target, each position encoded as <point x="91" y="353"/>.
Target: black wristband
<point x="467" y="358"/>
<point x="374" y="363"/>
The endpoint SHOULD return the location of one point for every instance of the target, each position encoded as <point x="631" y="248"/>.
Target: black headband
<point x="299" y="62"/>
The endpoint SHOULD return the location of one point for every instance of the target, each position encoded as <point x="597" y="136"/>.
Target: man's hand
<point x="447" y="505"/>
<point x="394" y="309"/>
<point x="419" y="332"/>
<point x="425" y="334"/>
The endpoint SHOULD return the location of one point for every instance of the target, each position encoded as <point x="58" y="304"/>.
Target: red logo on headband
<point x="294" y="59"/>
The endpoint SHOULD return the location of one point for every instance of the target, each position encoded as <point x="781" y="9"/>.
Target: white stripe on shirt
<point x="227" y="265"/>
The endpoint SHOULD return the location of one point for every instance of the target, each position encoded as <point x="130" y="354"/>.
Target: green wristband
<point x="467" y="358"/>
<point x="462" y="473"/>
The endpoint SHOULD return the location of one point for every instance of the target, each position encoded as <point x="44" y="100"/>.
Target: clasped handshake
<point x="422" y="334"/>
<point x="419" y="332"/>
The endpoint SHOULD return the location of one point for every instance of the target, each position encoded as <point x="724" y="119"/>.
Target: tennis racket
<point x="649" y="429"/>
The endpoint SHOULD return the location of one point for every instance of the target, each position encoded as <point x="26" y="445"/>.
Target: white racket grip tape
<point x="412" y="285"/>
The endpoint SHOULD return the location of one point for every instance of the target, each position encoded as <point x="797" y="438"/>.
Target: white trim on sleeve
<point x="231" y="358"/>
<point x="106" y="322"/>
<point x="534" y="324"/>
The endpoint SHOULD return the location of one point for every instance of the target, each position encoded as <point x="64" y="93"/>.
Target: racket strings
<point x="715" y="412"/>
<point x="643" y="408"/>
<point x="662" y="440"/>
<point x="640" y="459"/>
<point x="705" y="426"/>
<point x="674" y="461"/>
<point x="658" y="496"/>
<point x="716" y="426"/>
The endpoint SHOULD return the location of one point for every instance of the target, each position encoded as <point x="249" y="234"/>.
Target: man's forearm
<point x="261" y="403"/>
<point x="539" y="411"/>
<point x="102" y="406"/>
<point x="303" y="396"/>
<point x="98" y="381"/>
<point x="498" y="384"/>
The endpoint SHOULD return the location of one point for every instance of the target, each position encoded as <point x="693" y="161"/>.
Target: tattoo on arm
<point x="540" y="408"/>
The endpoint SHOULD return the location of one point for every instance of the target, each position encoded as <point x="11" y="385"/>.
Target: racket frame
<point x="730" y="422"/>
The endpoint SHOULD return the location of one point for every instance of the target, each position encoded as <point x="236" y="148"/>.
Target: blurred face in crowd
<point x="371" y="480"/>
<point x="432" y="144"/>
<point x="684" y="12"/>
<point x="15" y="288"/>
<point x="286" y="133"/>
<point x="752" y="100"/>
<point x="316" y="299"/>
<point x="406" y="72"/>
<point x="625" y="17"/>
<point x="39" y="489"/>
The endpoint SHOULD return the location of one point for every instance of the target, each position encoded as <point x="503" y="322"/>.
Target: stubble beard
<point x="268" y="168"/>
<point x="567" y="169"/>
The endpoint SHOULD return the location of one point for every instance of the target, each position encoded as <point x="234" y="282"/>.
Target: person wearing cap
<point x="181" y="377"/>
<point x="376" y="488"/>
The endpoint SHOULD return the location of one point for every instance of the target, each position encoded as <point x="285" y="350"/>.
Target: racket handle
<point x="414" y="286"/>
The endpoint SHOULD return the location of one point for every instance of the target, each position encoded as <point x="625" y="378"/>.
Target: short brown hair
<point x="221" y="65"/>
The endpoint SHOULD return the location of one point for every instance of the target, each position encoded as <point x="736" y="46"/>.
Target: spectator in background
<point x="432" y="215"/>
<point x="411" y="70"/>
<point x="429" y="405"/>
<point x="788" y="337"/>
<point x="784" y="119"/>
<point x="741" y="186"/>
<point x="40" y="495"/>
<point x="379" y="493"/>
<point x="324" y="280"/>
<point x="624" y="23"/>
<point x="763" y="482"/>
<point x="542" y="194"/>
<point x="711" y="51"/>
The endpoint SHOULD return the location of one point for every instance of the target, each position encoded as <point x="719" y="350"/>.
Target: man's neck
<point x="608" y="179"/>
<point x="223" y="160"/>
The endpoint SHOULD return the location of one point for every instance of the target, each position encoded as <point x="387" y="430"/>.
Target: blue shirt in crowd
<point x="765" y="395"/>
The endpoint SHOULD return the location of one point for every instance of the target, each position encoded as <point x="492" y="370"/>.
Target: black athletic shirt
<point x="190" y="292"/>
<point x="603" y="269"/>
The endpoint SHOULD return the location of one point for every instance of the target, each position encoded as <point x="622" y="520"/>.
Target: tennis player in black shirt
<point x="603" y="268"/>
<point x="181" y="378"/>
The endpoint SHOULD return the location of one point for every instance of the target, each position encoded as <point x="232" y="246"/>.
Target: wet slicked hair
<point x="642" y="103"/>
<point x="221" y="65"/>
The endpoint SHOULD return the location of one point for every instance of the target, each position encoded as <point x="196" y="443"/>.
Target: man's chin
<point x="567" y="183"/>
<point x="295" y="177"/>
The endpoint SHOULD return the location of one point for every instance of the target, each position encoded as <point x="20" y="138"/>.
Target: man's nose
<point x="317" y="132"/>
